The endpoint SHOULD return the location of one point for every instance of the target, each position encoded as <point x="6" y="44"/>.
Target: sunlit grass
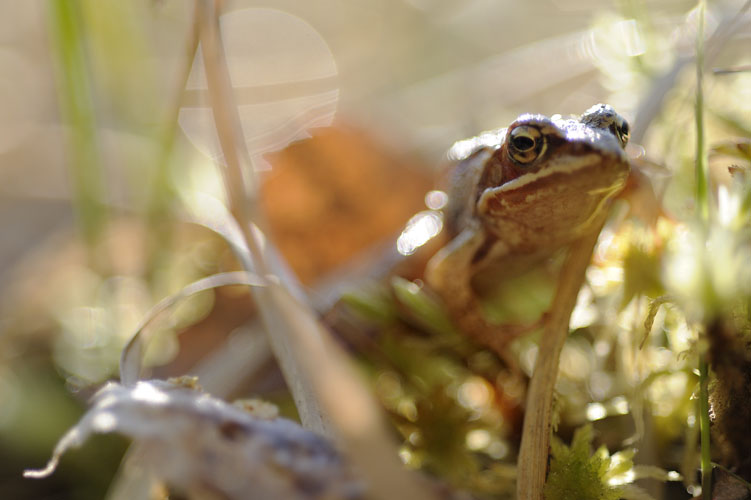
<point x="702" y="202"/>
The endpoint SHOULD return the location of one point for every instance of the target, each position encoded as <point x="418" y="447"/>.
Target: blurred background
<point x="107" y="148"/>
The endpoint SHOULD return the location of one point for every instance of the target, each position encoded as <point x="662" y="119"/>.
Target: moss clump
<point x="576" y="473"/>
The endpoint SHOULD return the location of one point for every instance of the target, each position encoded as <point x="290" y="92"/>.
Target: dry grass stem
<point x="330" y="397"/>
<point x="535" y="444"/>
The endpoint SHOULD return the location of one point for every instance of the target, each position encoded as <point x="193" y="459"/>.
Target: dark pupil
<point x="624" y="129"/>
<point x="523" y="143"/>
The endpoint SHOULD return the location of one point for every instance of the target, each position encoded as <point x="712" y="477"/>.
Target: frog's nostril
<point x="625" y="128"/>
<point x="620" y="130"/>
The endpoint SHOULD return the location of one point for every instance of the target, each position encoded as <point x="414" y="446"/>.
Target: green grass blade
<point x="67" y="36"/>
<point x="702" y="205"/>
<point x="701" y="171"/>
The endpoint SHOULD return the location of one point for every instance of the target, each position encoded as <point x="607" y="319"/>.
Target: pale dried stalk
<point x="533" y="454"/>
<point x="330" y="397"/>
<point x="241" y="200"/>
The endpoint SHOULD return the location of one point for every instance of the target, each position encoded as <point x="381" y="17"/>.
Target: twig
<point x="533" y="454"/>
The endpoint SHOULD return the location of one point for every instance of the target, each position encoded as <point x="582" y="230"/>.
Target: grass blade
<point x="75" y="96"/>
<point x="331" y="398"/>
<point x="131" y="357"/>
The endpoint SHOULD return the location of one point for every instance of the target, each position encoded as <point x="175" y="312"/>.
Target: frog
<point x="516" y="197"/>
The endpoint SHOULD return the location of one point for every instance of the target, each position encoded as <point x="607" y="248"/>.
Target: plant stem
<point x="701" y="169"/>
<point x="706" y="456"/>
<point x="74" y="94"/>
<point x="533" y="453"/>
<point x="702" y="205"/>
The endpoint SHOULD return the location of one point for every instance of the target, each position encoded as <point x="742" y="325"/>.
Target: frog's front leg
<point x="449" y="274"/>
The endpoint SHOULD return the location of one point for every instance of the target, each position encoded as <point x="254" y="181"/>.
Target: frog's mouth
<point x="576" y="181"/>
<point x="609" y="169"/>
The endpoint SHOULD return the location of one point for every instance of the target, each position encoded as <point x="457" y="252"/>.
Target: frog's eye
<point x="525" y="144"/>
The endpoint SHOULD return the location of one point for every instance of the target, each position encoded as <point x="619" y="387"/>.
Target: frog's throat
<point x="563" y="165"/>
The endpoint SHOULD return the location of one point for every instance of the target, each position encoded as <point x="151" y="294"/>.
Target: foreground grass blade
<point x="75" y="97"/>
<point x="331" y="397"/>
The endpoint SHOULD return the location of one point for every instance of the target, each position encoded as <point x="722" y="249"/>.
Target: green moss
<point x="576" y="473"/>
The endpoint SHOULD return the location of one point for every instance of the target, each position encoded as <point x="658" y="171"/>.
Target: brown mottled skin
<point x="516" y="197"/>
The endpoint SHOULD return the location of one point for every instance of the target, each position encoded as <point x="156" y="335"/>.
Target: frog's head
<point x="554" y="175"/>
